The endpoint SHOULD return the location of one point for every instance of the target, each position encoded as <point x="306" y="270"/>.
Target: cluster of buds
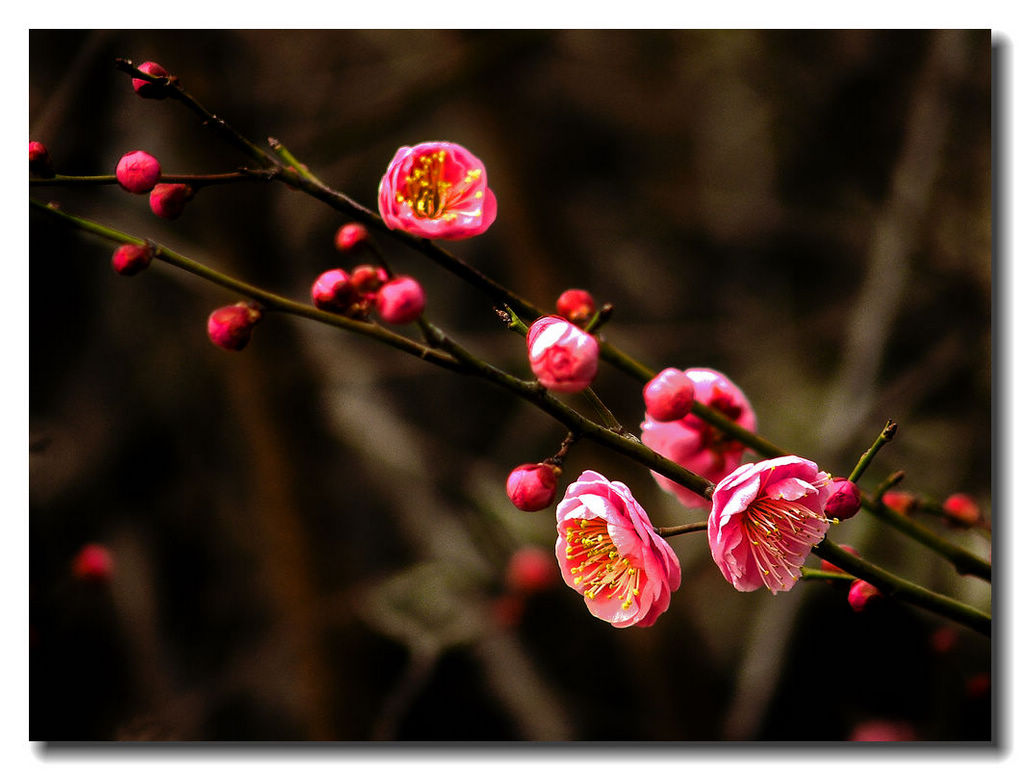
<point x="139" y="172"/>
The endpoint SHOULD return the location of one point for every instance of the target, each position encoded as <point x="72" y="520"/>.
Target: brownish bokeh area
<point x="310" y="536"/>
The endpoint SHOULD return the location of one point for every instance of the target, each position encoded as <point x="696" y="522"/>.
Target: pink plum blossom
<point x="765" y="518"/>
<point x="608" y="551"/>
<point x="436" y="190"/>
<point x="562" y="356"/>
<point x="693" y="443"/>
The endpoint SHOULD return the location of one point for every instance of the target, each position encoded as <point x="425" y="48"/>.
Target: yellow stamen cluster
<point x="780" y="532"/>
<point x="597" y="565"/>
<point x="426" y="191"/>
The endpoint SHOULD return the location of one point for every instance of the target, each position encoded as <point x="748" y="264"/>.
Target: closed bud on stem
<point x="563" y="357"/>
<point x="669" y="396"/>
<point x="843" y="499"/>
<point x="137" y="172"/>
<point x="93" y="563"/>
<point x="901" y="502"/>
<point x="962" y="510"/>
<point x="350" y="236"/>
<point x="168" y="200"/>
<point x="333" y="291"/>
<point x="131" y="259"/>
<point x="367" y="279"/>
<point x="148" y="89"/>
<point x="230" y="327"/>
<point x="862" y="594"/>
<point x="400" y="301"/>
<point x="576" y="305"/>
<point x="39" y="160"/>
<point x="532" y="487"/>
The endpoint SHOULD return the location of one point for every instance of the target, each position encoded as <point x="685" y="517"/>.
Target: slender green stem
<point x="887" y="434"/>
<point x="196" y="181"/>
<point x="270" y="301"/>
<point x="809" y="573"/>
<point x="293" y="162"/>
<point x="888" y="483"/>
<point x="964" y="561"/>
<point x="607" y="417"/>
<point x="898" y="588"/>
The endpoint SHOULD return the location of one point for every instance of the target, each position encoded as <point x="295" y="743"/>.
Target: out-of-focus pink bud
<point x="962" y="510"/>
<point x="146" y="88"/>
<point x="131" y="259"/>
<point x="39" y="160"/>
<point x="901" y="502"/>
<point x="532" y="487"/>
<point x="669" y="395"/>
<point x="93" y="563"/>
<point x="843" y="499"/>
<point x="531" y="569"/>
<point x="883" y="731"/>
<point x="168" y="200"/>
<point x="827" y="566"/>
<point x="943" y="639"/>
<point x="400" y="301"/>
<point x="350" y="236"/>
<point x="230" y="327"/>
<point x="862" y="594"/>
<point x="576" y="305"/>
<point x="333" y="291"/>
<point x="562" y="356"/>
<point x="137" y="172"/>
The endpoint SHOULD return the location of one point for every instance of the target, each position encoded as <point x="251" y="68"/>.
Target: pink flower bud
<point x="147" y="89"/>
<point x="901" y="502"/>
<point x="576" y="305"/>
<point x="168" y="200"/>
<point x="400" y="301"/>
<point x="962" y="510"/>
<point x="562" y="357"/>
<point x="843" y="499"/>
<point x="230" y="327"/>
<point x="333" y="291"/>
<point x="350" y="236"/>
<point x="93" y="563"/>
<point x="532" y="487"/>
<point x="367" y="279"/>
<point x="39" y="160"/>
<point x="827" y="566"/>
<point x="669" y="396"/>
<point x="861" y="594"/>
<point x="138" y="172"/>
<point x="131" y="259"/>
<point x="883" y="731"/>
<point x="531" y="569"/>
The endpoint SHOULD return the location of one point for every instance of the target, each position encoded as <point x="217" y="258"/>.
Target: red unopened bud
<point x="368" y="279"/>
<point x="138" y="172"/>
<point x="531" y="569"/>
<point x="39" y="160"/>
<point x="332" y="291"/>
<point x="883" y="731"/>
<point x="669" y="396"/>
<point x="93" y="563"/>
<point x="576" y="305"/>
<point x="230" y="327"/>
<point x="827" y="566"/>
<point x="901" y="502"/>
<point x="962" y="510"/>
<point x="131" y="259"/>
<point x="168" y="200"/>
<point x="862" y="594"/>
<point x="350" y="236"/>
<point x="400" y="301"/>
<point x="146" y="88"/>
<point x="843" y="499"/>
<point x="532" y="487"/>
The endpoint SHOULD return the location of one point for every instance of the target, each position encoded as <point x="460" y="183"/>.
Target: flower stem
<point x="887" y="434"/>
<point x="681" y="529"/>
<point x="809" y="573"/>
<point x="196" y="181"/>
<point x="904" y="590"/>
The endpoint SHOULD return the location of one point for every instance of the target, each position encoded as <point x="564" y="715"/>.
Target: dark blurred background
<point x="310" y="537"/>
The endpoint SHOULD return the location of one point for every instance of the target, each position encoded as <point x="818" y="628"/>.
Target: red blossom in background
<point x="436" y="190"/>
<point x="609" y="552"/>
<point x="693" y="443"/>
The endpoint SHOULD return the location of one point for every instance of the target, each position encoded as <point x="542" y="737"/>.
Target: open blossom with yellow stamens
<point x="609" y="552"/>
<point x="765" y="519"/>
<point x="436" y="190"/>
